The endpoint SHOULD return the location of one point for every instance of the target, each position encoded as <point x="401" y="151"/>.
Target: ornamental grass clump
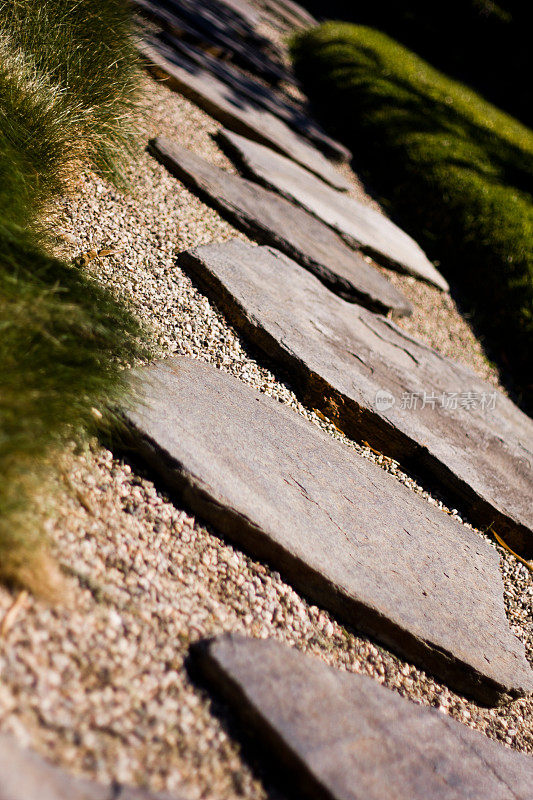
<point x="68" y="99"/>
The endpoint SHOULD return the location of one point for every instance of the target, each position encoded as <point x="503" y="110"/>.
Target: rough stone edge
<point x="241" y="162"/>
<point x="334" y="282"/>
<point x="270" y="744"/>
<point x="242" y="532"/>
<point x="360" y="423"/>
<point x="153" y="63"/>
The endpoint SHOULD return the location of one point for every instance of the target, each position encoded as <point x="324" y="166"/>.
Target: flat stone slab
<point x="362" y="227"/>
<point x="235" y="110"/>
<point x="26" y="776"/>
<point x="264" y="96"/>
<point x="342" y="736"/>
<point x="343" y="531"/>
<point x="224" y="19"/>
<point x="381" y="385"/>
<point x="272" y="220"/>
<point x="202" y="23"/>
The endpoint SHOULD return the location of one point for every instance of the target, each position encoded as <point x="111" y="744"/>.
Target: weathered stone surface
<point x="26" y="776"/>
<point x="219" y="36"/>
<point x="272" y="220"/>
<point x="343" y="531"/>
<point x="367" y="374"/>
<point x="223" y="19"/>
<point x="265" y="96"/>
<point x="361" y="226"/>
<point x="342" y="736"/>
<point x="234" y="110"/>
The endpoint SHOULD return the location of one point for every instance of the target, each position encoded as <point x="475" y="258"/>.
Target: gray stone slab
<point x="381" y="385"/>
<point x="265" y="96"/>
<point x="272" y="220"/>
<point x="361" y="226"/>
<point x="342" y="736"/>
<point x="221" y="37"/>
<point x="218" y="17"/>
<point x="344" y="532"/>
<point x="234" y="109"/>
<point x="26" y="776"/>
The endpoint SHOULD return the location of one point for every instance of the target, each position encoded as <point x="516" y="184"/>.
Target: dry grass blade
<point x="12" y="612"/>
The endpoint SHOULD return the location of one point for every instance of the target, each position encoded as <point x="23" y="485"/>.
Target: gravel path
<point x="98" y="684"/>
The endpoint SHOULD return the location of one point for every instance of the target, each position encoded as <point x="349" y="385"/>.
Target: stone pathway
<point x="271" y="219"/>
<point x="361" y="226"/>
<point x="235" y="110"/>
<point x="381" y="385"/>
<point x="271" y="99"/>
<point x="26" y="776"/>
<point x="340" y="530"/>
<point x="337" y="736"/>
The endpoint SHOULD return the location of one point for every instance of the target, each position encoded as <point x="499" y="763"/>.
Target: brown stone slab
<point x="235" y="110"/>
<point x="264" y="96"/>
<point x="250" y="55"/>
<point x="26" y="776"/>
<point x="341" y="736"/>
<point x="361" y="226"/>
<point x="368" y="375"/>
<point x="343" y="531"/>
<point x="272" y="220"/>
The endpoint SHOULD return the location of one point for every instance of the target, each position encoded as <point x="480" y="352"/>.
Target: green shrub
<point x="456" y="172"/>
<point x="68" y="86"/>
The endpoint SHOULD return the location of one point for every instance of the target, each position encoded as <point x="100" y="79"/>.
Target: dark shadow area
<point x="278" y="781"/>
<point x="485" y="44"/>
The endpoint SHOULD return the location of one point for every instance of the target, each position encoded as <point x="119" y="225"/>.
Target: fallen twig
<point x="12" y="612"/>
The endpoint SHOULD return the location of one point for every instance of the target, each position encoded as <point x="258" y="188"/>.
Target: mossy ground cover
<point x="68" y="85"/>
<point x="453" y="169"/>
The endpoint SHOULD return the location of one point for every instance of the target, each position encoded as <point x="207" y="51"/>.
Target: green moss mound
<point x="454" y="170"/>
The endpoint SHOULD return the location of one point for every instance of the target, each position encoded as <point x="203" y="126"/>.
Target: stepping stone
<point x="341" y="736"/>
<point x="270" y="219"/>
<point x="221" y="22"/>
<point x="344" y="532"/>
<point x="381" y="385"/>
<point x="249" y="55"/>
<point x="264" y="96"/>
<point x="26" y="776"/>
<point x="362" y="227"/>
<point x="234" y="110"/>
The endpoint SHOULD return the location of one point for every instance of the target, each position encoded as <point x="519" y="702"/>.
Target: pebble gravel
<point x="98" y="683"/>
